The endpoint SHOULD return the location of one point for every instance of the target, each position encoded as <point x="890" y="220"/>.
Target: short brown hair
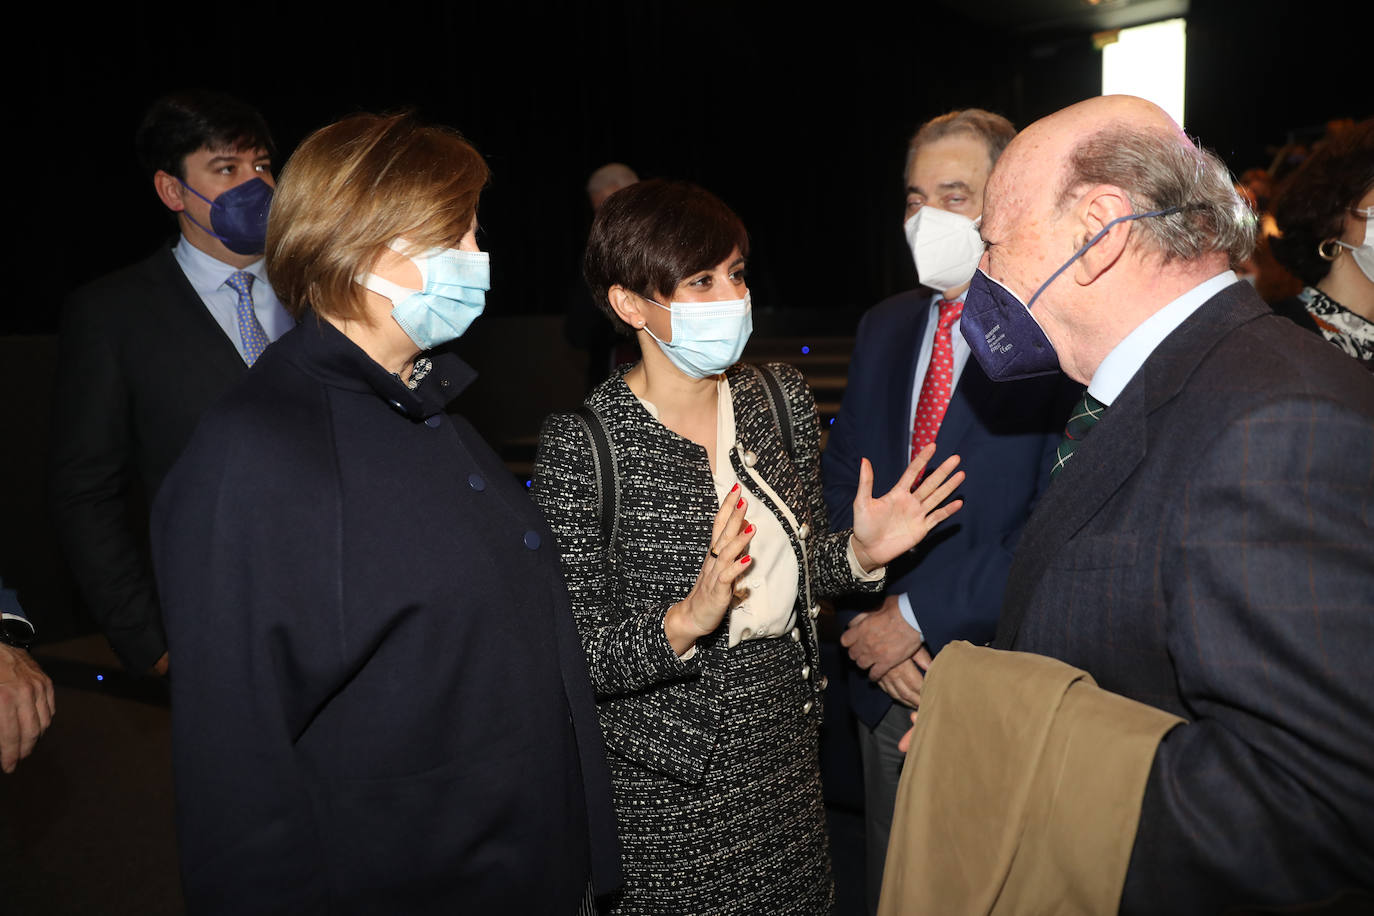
<point x="352" y="187"/>
<point x="994" y="130"/>
<point x="652" y="235"/>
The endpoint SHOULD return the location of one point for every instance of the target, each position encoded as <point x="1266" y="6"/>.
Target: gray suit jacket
<point x="1209" y="551"/>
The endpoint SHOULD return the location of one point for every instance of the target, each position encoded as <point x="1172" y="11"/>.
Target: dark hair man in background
<point x="146" y="349"/>
<point x="911" y="382"/>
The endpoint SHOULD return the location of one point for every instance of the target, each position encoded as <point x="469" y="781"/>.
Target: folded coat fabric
<point x="1021" y="791"/>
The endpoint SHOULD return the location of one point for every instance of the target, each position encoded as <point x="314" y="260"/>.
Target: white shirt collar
<point x="1126" y="358"/>
<point x="208" y="273"/>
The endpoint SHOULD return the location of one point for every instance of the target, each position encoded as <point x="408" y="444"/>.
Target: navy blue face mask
<point x="1004" y="336"/>
<point x="238" y="217"/>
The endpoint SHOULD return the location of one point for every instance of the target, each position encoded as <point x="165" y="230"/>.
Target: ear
<point x="168" y="191"/>
<point x="627" y="306"/>
<point x="1095" y="209"/>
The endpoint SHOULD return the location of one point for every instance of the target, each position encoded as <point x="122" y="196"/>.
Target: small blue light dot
<point x="832" y="421"/>
<point x="806" y="350"/>
<point x="528" y="484"/>
<point x="100" y="677"/>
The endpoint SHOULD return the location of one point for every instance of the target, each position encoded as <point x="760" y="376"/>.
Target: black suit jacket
<point x="1209" y="551"/>
<point x="1005" y="435"/>
<point x="139" y="360"/>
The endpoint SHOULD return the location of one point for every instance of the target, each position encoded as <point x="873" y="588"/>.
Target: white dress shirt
<point x="1125" y="359"/>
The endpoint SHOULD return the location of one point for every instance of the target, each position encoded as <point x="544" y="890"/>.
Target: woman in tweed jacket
<point x="696" y="601"/>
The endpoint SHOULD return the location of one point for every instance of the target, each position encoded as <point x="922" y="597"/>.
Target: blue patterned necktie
<point x="1085" y="415"/>
<point x="250" y="329"/>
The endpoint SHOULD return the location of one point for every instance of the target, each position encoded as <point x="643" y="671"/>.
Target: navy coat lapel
<point x="1117" y="445"/>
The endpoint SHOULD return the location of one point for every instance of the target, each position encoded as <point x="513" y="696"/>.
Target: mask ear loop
<point x="385" y="288"/>
<point x="206" y="229"/>
<point x="645" y="327"/>
<point x="656" y="302"/>
<point x="1093" y="241"/>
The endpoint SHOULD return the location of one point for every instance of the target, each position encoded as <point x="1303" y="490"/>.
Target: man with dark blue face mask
<point x="148" y="348"/>
<point x="1204" y="551"/>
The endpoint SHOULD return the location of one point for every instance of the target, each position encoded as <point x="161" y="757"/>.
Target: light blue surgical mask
<point x="453" y="293"/>
<point x="708" y="337"/>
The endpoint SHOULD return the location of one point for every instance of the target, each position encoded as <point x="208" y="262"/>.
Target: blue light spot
<point x="806" y="350"/>
<point x="528" y="484"/>
<point x="100" y="677"/>
<point x="832" y="421"/>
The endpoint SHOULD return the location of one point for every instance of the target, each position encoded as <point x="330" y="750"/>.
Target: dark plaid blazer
<point x="1208" y="551"/>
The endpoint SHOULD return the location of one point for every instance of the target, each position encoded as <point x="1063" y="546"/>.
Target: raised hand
<point x="886" y="528"/>
<point x="705" y="605"/>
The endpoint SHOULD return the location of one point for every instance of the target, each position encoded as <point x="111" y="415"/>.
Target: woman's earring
<point x="1328" y="250"/>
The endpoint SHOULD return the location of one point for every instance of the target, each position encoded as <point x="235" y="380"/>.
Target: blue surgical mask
<point x="238" y="217"/>
<point x="708" y="337"/>
<point x="453" y="293"/>
<point x="1002" y="331"/>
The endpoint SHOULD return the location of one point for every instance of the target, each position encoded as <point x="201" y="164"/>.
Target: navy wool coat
<point x="380" y="702"/>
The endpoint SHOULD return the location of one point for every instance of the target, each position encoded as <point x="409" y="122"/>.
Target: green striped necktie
<point x="1085" y="415"/>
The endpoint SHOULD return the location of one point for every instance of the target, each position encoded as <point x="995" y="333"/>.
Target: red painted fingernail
<point x="740" y="504"/>
<point x="734" y="488"/>
<point x="750" y="528"/>
<point x="744" y="559"/>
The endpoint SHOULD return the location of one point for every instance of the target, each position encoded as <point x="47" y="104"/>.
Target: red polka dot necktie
<point x="250" y="329"/>
<point x="938" y="384"/>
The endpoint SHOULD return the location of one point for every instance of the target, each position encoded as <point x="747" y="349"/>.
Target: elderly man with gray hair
<point x="1204" y="551"/>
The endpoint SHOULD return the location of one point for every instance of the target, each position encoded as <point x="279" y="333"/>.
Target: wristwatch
<point x="15" y="631"/>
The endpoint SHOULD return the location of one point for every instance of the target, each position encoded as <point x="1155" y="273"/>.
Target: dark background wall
<point x="797" y="118"/>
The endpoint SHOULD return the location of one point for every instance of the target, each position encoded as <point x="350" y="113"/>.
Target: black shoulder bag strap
<point x="781" y="411"/>
<point x="606" y="484"/>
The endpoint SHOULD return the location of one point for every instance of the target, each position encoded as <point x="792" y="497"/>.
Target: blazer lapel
<point x="1116" y="446"/>
<point x="974" y="387"/>
<point x="902" y="394"/>
<point x="182" y="297"/>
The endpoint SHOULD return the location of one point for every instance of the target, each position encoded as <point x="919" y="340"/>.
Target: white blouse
<point x="766" y="593"/>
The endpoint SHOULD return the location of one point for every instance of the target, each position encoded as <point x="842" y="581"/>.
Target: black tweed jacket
<point x="657" y="709"/>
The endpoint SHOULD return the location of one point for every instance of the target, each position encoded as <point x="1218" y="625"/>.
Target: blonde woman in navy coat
<point x="347" y="570"/>
<point x="696" y="598"/>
